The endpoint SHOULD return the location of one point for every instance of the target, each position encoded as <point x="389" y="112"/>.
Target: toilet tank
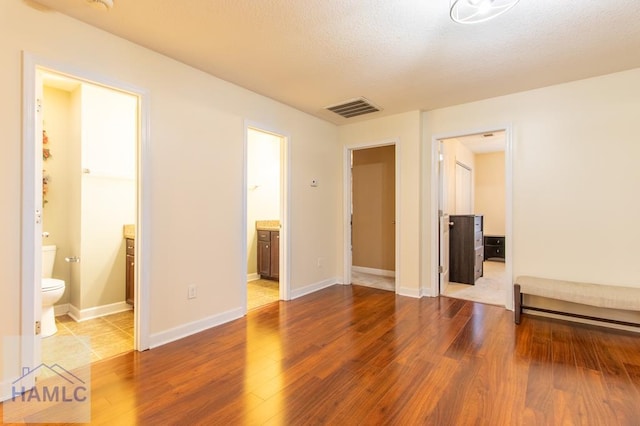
<point x="48" y="259"/>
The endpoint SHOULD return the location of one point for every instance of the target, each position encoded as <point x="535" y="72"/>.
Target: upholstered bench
<point x="602" y="296"/>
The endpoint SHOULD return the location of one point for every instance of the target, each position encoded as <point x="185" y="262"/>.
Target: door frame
<point x="284" y="283"/>
<point x="347" y="198"/>
<point x="435" y="215"/>
<point x="30" y="202"/>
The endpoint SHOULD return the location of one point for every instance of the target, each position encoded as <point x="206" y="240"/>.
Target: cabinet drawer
<point x="264" y="236"/>
<point x="478" y="240"/>
<point x="479" y="258"/>
<point x="494" y="241"/>
<point x="477" y="223"/>
<point x="131" y="246"/>
<point x="493" y="252"/>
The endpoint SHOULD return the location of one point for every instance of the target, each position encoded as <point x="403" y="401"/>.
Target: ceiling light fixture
<point x="101" y="4"/>
<point x="476" y="11"/>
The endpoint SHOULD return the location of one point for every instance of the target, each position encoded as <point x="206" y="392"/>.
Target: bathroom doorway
<point x="265" y="217"/>
<point x="80" y="192"/>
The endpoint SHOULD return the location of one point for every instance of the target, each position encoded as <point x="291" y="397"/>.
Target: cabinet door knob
<point x="267" y="246"/>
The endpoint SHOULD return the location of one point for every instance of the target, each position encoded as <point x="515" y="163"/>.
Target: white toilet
<point x="52" y="291"/>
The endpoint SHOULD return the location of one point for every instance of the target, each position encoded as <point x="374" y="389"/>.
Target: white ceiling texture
<point x="401" y="55"/>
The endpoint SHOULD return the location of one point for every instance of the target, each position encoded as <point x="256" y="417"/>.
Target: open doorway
<point x="58" y="165"/>
<point x="473" y="217"/>
<point x="372" y="216"/>
<point x="265" y="205"/>
<point x="90" y="138"/>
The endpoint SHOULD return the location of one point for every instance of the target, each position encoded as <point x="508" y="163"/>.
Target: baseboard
<point x="98" y="311"/>
<point x="410" y="292"/>
<point x="61" y="309"/>
<point x="299" y="292"/>
<point x="426" y="292"/>
<point x="253" y="277"/>
<point x="373" y="271"/>
<point x="176" y="333"/>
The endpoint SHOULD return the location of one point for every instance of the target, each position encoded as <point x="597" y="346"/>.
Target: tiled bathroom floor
<point x="375" y="281"/>
<point x="106" y="336"/>
<point x="262" y="292"/>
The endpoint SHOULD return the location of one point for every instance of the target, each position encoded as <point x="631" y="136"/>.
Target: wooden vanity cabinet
<point x="269" y="254"/>
<point x="130" y="271"/>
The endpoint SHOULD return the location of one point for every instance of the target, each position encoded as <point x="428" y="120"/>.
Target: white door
<point x="463" y="189"/>
<point x="31" y="349"/>
<point x="444" y="252"/>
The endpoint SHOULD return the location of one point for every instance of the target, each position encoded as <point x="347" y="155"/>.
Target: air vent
<point x="354" y="107"/>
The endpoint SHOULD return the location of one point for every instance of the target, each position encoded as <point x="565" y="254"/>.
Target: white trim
<point x="374" y="271"/>
<point x="185" y="330"/>
<point x="285" y="209"/>
<point x="346" y="191"/>
<point x="80" y="315"/>
<point x="410" y="292"/>
<point x="312" y="288"/>
<point x="30" y="349"/>
<point x="61" y="309"/>
<point x="433" y="290"/>
<point x="31" y="62"/>
<point x="253" y="277"/>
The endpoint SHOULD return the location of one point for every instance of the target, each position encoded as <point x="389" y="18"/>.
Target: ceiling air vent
<point x="354" y="107"/>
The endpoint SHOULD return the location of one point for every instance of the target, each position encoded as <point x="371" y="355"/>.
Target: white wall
<point x="405" y="130"/>
<point x="263" y="193"/>
<point x="490" y="191"/>
<point x="196" y="171"/>
<point x="576" y="149"/>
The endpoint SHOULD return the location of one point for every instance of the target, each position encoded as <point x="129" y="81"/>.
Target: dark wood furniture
<point x="269" y="254"/>
<point x="466" y="251"/>
<point x="494" y="247"/>
<point x="130" y="271"/>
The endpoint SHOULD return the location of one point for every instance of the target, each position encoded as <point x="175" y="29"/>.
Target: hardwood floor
<point x="356" y="355"/>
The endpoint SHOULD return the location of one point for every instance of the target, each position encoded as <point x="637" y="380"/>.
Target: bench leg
<point x="517" y="303"/>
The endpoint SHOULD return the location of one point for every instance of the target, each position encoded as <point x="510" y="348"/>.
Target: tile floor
<point x="262" y="292"/>
<point x="375" y="281"/>
<point x="79" y="343"/>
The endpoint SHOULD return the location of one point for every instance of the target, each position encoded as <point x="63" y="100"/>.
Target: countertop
<point x="129" y="231"/>
<point x="268" y="225"/>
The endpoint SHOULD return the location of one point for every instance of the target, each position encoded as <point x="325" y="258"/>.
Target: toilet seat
<point x="50" y="284"/>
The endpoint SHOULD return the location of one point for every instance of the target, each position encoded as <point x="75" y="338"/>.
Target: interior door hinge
<point x="440" y="269"/>
<point x="38" y="327"/>
<point x="38" y="105"/>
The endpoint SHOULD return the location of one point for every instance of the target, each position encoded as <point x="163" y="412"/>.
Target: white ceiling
<point x="402" y="55"/>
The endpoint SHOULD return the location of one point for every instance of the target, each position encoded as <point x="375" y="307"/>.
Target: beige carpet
<point x="490" y="288"/>
<point x="262" y="292"/>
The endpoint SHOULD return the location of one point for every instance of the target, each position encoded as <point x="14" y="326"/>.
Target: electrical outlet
<point x="193" y="292"/>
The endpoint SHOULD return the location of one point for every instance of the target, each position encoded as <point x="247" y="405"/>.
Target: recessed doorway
<point x="473" y="216"/>
<point x="371" y="243"/>
<point x="265" y="213"/>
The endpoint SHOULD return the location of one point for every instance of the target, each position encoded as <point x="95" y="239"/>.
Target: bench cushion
<point x="604" y="296"/>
